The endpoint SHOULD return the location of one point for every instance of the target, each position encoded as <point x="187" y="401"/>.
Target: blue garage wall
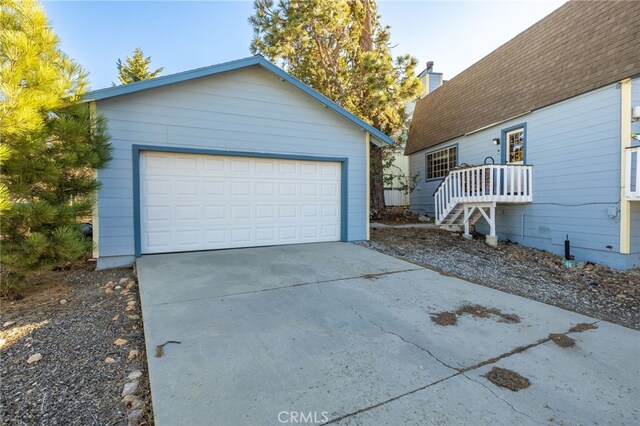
<point x="574" y="148"/>
<point x="247" y="110"/>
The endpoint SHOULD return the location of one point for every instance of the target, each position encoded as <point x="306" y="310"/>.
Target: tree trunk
<point x="376" y="188"/>
<point x="366" y="42"/>
<point x="376" y="181"/>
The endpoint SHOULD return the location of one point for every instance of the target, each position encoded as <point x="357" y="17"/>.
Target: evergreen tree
<point x="135" y="68"/>
<point x="341" y="49"/>
<point x="50" y="146"/>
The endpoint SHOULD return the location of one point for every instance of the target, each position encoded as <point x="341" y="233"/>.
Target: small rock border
<point x="87" y="359"/>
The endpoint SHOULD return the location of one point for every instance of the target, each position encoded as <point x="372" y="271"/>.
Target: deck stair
<point x="470" y="193"/>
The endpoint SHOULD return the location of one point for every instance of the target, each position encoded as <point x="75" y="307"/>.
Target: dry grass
<point x="507" y="379"/>
<point x="562" y="340"/>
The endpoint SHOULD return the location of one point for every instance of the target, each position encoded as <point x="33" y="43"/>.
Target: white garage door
<point x="203" y="202"/>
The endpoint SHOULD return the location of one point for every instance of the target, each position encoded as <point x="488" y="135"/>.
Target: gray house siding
<point x="247" y="110"/>
<point x="574" y="148"/>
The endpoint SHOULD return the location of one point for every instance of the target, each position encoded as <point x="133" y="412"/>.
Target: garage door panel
<point x="215" y="212"/>
<point x="265" y="212"/>
<point x="158" y="240"/>
<point x="201" y="202"/>
<point x="265" y="189"/>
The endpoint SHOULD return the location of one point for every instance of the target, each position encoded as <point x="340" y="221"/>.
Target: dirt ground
<point x="79" y="374"/>
<point x="399" y="215"/>
<point x="593" y="290"/>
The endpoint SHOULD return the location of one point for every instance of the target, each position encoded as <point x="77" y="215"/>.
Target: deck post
<point x="492" y="238"/>
<point x="467" y="218"/>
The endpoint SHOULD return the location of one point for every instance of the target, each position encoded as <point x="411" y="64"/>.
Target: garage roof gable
<point x="378" y="137"/>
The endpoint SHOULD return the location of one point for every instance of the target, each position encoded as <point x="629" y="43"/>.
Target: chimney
<point x="429" y="67"/>
<point x="430" y="80"/>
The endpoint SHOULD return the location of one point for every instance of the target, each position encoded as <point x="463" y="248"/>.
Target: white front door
<point x="192" y="202"/>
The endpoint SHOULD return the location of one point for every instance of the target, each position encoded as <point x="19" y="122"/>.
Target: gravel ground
<point x="593" y="290"/>
<point x="80" y="376"/>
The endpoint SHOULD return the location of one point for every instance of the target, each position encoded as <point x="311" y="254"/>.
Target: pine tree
<point x="50" y="146"/>
<point x="341" y="49"/>
<point x="135" y="68"/>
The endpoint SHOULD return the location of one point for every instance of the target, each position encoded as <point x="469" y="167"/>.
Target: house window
<point x="440" y="162"/>
<point x="515" y="146"/>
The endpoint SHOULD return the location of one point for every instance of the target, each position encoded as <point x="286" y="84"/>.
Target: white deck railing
<point x="632" y="173"/>
<point x="484" y="184"/>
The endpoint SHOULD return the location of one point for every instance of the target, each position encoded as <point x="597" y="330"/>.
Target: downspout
<point x="625" y="142"/>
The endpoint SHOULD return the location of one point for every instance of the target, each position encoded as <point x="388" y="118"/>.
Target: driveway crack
<point x="379" y="404"/>
<point x="284" y="287"/>
<point x="458" y="371"/>
<point x="423" y="349"/>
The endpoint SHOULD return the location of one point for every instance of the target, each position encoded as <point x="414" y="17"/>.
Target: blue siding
<point x="247" y="110"/>
<point x="574" y="148"/>
<point x="226" y="67"/>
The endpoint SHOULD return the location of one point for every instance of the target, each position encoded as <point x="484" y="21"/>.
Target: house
<point x="397" y="173"/>
<point x="537" y="142"/>
<point x="232" y="155"/>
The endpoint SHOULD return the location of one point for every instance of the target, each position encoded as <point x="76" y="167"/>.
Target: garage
<point x="234" y="155"/>
<point x="192" y="202"/>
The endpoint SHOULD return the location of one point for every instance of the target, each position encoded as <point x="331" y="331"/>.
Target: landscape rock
<point x="34" y="358"/>
<point x="135" y="374"/>
<point x="130" y="388"/>
<point x="132" y="402"/>
<point x="109" y="360"/>
<point x="134" y="418"/>
<point x="63" y="301"/>
<point x="123" y="281"/>
<point x="128" y="398"/>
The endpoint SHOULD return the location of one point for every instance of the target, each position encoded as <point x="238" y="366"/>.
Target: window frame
<point x="504" y="144"/>
<point x="449" y="167"/>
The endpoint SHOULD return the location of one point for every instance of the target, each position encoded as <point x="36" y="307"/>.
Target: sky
<point x="182" y="35"/>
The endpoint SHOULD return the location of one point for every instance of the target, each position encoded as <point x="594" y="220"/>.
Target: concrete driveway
<point x="338" y="333"/>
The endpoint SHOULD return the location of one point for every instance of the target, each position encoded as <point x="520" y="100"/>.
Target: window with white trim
<point x="515" y="146"/>
<point x="439" y="163"/>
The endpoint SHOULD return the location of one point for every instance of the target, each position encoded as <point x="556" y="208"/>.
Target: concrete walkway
<point x="338" y="333"/>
